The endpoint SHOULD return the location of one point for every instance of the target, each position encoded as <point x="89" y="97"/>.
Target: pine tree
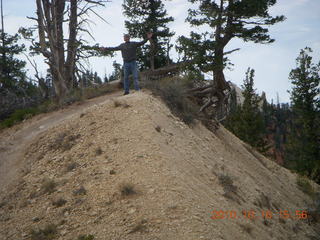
<point x="246" y="121"/>
<point x="149" y="16"/>
<point x="116" y="73"/>
<point x="303" y="152"/>
<point x="13" y="76"/>
<point x="226" y="20"/>
<point x="276" y="119"/>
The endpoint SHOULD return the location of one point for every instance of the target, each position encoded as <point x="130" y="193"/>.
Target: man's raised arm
<point x="110" y="48"/>
<point x="149" y="36"/>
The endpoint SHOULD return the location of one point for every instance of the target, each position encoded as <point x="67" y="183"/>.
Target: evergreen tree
<point x="303" y="152"/>
<point x="149" y="16"/>
<point x="246" y="121"/>
<point x="226" y="19"/>
<point x="90" y="78"/>
<point x="276" y="119"/>
<point x="12" y="73"/>
<point x="117" y="72"/>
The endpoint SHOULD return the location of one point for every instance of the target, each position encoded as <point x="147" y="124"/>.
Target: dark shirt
<point x="128" y="50"/>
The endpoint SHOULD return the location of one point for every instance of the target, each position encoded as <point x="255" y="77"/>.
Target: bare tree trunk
<point x="72" y="45"/>
<point x="218" y="76"/>
<point x="152" y="53"/>
<point x="50" y="25"/>
<point x="58" y="7"/>
<point x="61" y="60"/>
<point x="3" y="43"/>
<point x="219" y="82"/>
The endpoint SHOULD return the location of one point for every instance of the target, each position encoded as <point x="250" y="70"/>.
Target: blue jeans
<point x="130" y="67"/>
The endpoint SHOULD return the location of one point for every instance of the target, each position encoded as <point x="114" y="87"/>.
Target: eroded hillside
<point x="129" y="169"/>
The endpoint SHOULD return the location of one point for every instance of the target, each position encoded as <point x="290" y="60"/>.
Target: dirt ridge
<point x="129" y="169"/>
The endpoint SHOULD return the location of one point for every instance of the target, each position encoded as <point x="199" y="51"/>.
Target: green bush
<point x="18" y="116"/>
<point x="76" y="95"/>
<point x="48" y="185"/>
<point x="305" y="185"/>
<point x="174" y="93"/>
<point x="86" y="237"/>
<point x="127" y="189"/>
<point x="49" y="232"/>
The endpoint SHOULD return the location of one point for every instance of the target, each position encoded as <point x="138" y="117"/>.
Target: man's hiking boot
<point x="126" y="93"/>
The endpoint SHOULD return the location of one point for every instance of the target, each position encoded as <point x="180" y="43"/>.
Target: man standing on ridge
<point x="129" y="54"/>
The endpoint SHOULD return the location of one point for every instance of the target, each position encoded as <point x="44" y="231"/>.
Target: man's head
<point x="126" y="37"/>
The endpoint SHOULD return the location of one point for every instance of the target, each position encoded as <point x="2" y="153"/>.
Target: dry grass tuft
<point x="59" y="202"/>
<point x="127" y="189"/>
<point x="98" y="151"/>
<point x="158" y="128"/>
<point x="247" y="228"/>
<point x="80" y="191"/>
<point x="139" y="227"/>
<point x="48" y="185"/>
<point x="85" y="237"/>
<point x="305" y="186"/>
<point x="47" y="233"/>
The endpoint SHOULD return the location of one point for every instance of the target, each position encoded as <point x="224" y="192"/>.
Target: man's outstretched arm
<point x="110" y="48"/>
<point x="149" y="36"/>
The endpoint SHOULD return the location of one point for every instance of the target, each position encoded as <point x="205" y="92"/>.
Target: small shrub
<point x="313" y="216"/>
<point x="95" y="91"/>
<point x="77" y="95"/>
<point x="247" y="228"/>
<point x="33" y="194"/>
<point x="227" y="183"/>
<point x="127" y="189"/>
<point x="158" y="128"/>
<point x="80" y="191"/>
<point x="3" y="203"/>
<point x="125" y="105"/>
<point x="18" y="116"/>
<point x="66" y="211"/>
<point x="71" y="166"/>
<point x="230" y="190"/>
<point x="263" y="202"/>
<point x="59" y="202"/>
<point x="305" y="186"/>
<point x="64" y="141"/>
<point x="117" y="103"/>
<point x="69" y="142"/>
<point x="98" y="151"/>
<point x="85" y="237"/>
<point x="48" y="186"/>
<point x="282" y="220"/>
<point x="139" y="227"/>
<point x="173" y="92"/>
<point x="48" y="106"/>
<point x="297" y="227"/>
<point x="47" y="233"/>
<point x="266" y="222"/>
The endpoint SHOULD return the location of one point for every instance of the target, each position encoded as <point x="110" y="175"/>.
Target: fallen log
<point x="167" y="70"/>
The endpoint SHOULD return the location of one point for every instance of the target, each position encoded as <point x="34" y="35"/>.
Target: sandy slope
<point x="14" y="141"/>
<point x="176" y="171"/>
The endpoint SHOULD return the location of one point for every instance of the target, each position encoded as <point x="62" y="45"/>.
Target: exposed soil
<point x="123" y="167"/>
<point x="14" y="141"/>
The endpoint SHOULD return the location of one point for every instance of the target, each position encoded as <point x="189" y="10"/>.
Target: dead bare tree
<point x="3" y="41"/>
<point x="61" y="51"/>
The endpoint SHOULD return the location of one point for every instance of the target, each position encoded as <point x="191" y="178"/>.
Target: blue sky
<point x="272" y="62"/>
